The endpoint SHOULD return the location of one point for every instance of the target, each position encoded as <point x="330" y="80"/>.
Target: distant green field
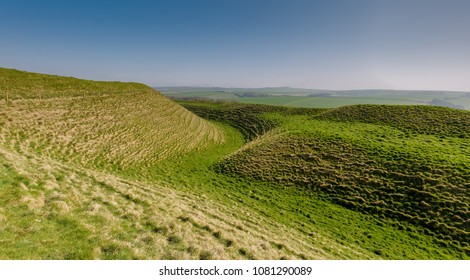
<point x="311" y="98"/>
<point x="322" y="102"/>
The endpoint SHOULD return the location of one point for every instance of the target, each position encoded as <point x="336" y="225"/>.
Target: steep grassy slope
<point x="63" y="209"/>
<point x="129" y="125"/>
<point x="413" y="173"/>
<point x="246" y="118"/>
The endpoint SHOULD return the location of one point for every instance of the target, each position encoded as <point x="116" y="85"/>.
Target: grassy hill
<point x="406" y="165"/>
<point x="109" y="170"/>
<point x="113" y="124"/>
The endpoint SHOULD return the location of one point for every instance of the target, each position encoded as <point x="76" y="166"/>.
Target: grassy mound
<point x="416" y="119"/>
<point x="116" y="125"/>
<point x="416" y="178"/>
<point x="245" y="117"/>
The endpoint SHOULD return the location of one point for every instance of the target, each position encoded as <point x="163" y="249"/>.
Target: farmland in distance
<point x="315" y="98"/>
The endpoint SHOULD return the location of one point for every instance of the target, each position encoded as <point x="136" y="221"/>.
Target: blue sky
<point x="335" y="44"/>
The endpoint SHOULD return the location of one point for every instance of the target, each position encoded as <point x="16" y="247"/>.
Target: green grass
<point x="322" y="102"/>
<point x="124" y="173"/>
<point x="408" y="179"/>
<point x="415" y="119"/>
<point x="125" y="128"/>
<point x="30" y="233"/>
<point x="20" y="85"/>
<point x="311" y="215"/>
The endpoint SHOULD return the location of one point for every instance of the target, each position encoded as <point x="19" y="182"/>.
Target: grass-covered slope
<point x="429" y="120"/>
<point x="57" y="198"/>
<point x="18" y="84"/>
<point x="246" y="118"/>
<point x="129" y="125"/>
<point x="411" y="173"/>
<point x="51" y="210"/>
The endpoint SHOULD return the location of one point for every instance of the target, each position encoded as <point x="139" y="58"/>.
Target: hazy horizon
<point x="304" y="88"/>
<point x="336" y="45"/>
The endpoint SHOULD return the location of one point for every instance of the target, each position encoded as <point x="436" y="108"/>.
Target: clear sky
<point x="334" y="44"/>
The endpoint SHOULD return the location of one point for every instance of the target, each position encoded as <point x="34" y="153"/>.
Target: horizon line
<point x="304" y="88"/>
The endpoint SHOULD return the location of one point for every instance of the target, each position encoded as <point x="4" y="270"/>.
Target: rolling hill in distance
<point x="321" y="98"/>
<point x="112" y="170"/>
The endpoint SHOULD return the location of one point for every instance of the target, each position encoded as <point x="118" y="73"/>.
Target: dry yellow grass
<point x="119" y="130"/>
